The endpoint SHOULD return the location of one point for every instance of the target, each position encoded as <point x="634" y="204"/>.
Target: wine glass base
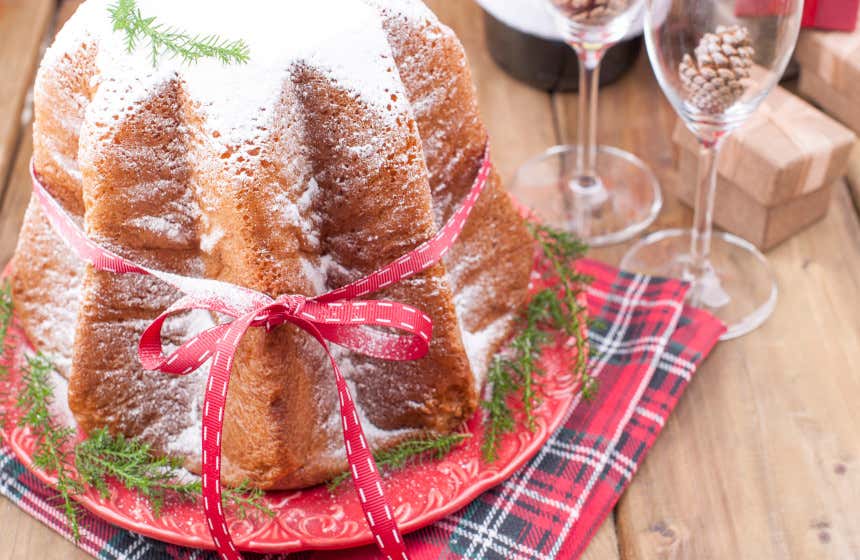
<point x="739" y="287"/>
<point x="627" y="202"/>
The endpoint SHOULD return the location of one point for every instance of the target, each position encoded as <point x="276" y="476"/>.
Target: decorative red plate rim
<point x="435" y="488"/>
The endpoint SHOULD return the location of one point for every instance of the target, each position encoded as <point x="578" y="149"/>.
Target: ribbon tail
<point x="214" y="403"/>
<point x="365" y="474"/>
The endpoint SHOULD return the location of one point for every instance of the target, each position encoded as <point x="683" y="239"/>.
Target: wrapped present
<point x="830" y="73"/>
<point x="835" y="15"/>
<point x="788" y="148"/>
<point x="841" y="107"/>
<point x="775" y="172"/>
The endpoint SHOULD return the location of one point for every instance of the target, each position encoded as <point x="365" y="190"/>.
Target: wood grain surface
<point x="24" y="27"/>
<point x="761" y="460"/>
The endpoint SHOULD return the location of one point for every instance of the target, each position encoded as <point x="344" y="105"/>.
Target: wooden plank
<point x="761" y="459"/>
<point x="17" y="189"/>
<point x="24" y="537"/>
<point x="23" y="27"/>
<point x="17" y="196"/>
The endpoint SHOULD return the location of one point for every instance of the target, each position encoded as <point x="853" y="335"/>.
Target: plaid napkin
<point x="648" y="346"/>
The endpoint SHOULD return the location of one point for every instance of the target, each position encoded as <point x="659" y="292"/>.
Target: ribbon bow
<point x="338" y="317"/>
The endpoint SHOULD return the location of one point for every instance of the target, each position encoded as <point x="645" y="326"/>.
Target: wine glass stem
<point x="589" y="83"/>
<point x="703" y="218"/>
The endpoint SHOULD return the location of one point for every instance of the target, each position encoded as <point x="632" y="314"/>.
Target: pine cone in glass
<point x="591" y="11"/>
<point x="719" y="75"/>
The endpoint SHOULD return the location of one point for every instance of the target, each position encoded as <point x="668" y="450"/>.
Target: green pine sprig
<point x="408" y="452"/>
<point x="500" y="418"/>
<point x="6" y="312"/>
<point x="53" y="443"/>
<point x="170" y="41"/>
<point x="244" y="500"/>
<point x="103" y="457"/>
<point x="562" y="249"/>
<point x="516" y="370"/>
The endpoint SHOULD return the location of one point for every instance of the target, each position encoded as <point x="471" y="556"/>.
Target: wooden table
<point x="761" y="460"/>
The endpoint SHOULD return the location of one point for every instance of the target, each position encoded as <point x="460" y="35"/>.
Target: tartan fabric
<point x="648" y="345"/>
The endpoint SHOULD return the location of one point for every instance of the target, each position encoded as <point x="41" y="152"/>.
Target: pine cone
<point x="719" y="75"/>
<point x="591" y="11"/>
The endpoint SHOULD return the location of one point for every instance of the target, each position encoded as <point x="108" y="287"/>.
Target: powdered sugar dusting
<point x="52" y="327"/>
<point x="188" y="440"/>
<point x="59" y="404"/>
<point x="164" y="227"/>
<point x="210" y="239"/>
<point x="235" y="98"/>
<point x="480" y="345"/>
<point x="298" y="213"/>
<point x="228" y="118"/>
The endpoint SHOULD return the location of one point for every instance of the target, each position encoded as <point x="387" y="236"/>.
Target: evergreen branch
<point x="562" y="249"/>
<point x="515" y="371"/>
<point x="407" y="452"/>
<point x="103" y="457"/>
<point x="92" y="462"/>
<point x="171" y="41"/>
<point x="245" y="500"/>
<point x="131" y="462"/>
<point x="52" y="443"/>
<point x="500" y="419"/>
<point x="6" y="311"/>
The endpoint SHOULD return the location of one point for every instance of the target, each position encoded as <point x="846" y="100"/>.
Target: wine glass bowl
<point x="715" y="67"/>
<point x="687" y="35"/>
<point x="599" y="22"/>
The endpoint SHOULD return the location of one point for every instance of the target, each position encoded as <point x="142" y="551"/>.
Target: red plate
<point x="314" y="518"/>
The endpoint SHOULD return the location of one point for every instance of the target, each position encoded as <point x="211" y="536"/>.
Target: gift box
<point x="830" y="73"/>
<point x="836" y="15"/>
<point x="775" y="173"/>
<point x="843" y="108"/>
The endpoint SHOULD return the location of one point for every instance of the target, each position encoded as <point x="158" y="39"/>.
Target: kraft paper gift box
<point x="841" y="107"/>
<point x="775" y="172"/>
<point x="830" y="72"/>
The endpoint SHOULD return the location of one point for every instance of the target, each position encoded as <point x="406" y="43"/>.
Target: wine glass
<point x="602" y="194"/>
<point x="716" y="67"/>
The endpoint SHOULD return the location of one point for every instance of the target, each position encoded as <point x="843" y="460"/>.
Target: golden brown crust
<point x="45" y="287"/>
<point x="495" y="252"/>
<point x="135" y="170"/>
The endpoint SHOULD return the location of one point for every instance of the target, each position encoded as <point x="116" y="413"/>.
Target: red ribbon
<point x="337" y="317"/>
